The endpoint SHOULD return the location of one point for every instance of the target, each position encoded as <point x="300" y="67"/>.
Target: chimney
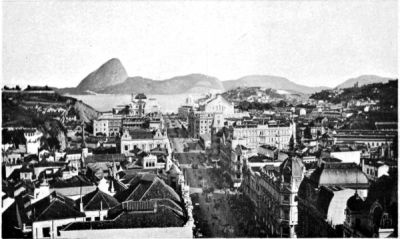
<point x="112" y="190"/>
<point x="81" y="206"/>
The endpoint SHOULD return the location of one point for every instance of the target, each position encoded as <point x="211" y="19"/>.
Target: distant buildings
<point x="140" y="113"/>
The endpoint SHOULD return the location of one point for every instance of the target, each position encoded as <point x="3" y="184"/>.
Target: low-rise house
<point x="375" y="169"/>
<point x="96" y="205"/>
<point x="51" y="213"/>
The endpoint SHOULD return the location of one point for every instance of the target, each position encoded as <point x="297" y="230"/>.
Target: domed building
<point x="375" y="215"/>
<point x="324" y="195"/>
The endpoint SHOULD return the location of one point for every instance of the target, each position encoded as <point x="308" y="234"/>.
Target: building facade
<point x="145" y="140"/>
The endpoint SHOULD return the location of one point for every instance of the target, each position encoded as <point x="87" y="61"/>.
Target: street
<point x="215" y="210"/>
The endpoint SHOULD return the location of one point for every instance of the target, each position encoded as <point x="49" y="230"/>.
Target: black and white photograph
<point x="199" y="119"/>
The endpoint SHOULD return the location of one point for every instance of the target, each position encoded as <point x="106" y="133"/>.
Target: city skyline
<point x="312" y="43"/>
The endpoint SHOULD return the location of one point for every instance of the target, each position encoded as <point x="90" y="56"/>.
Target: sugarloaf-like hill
<point x="112" y="78"/>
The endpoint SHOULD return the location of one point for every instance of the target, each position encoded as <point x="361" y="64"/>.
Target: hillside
<point x="384" y="93"/>
<point x="363" y="80"/>
<point x="26" y="110"/>
<point x="176" y="85"/>
<point x="266" y="81"/>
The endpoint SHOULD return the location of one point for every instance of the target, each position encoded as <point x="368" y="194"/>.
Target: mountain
<point x="177" y="85"/>
<point x="266" y="81"/>
<point x="111" y="78"/>
<point x="110" y="73"/>
<point x="363" y="80"/>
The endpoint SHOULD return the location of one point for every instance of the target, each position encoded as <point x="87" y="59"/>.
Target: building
<point x="145" y="140"/>
<point x="375" y="215"/>
<point x="149" y="208"/>
<point x="218" y="105"/>
<point x="51" y="213"/>
<point x="96" y="205"/>
<point x="273" y="190"/>
<point x="254" y="134"/>
<point x="371" y="138"/>
<point x="375" y="169"/>
<point x="32" y="141"/>
<point x="211" y="113"/>
<point x="200" y="122"/>
<point x="107" y="125"/>
<point x="322" y="198"/>
<point x="139" y="106"/>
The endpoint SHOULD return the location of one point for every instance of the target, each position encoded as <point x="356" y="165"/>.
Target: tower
<point x="292" y="171"/>
<point x="32" y="141"/>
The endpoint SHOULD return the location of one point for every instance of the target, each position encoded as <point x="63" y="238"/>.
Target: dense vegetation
<point x="386" y="93"/>
<point x="245" y="106"/>
<point x="15" y="114"/>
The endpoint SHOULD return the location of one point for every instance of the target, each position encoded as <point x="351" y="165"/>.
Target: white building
<point x="108" y="124"/>
<point x="33" y="141"/>
<point x="145" y="140"/>
<point x="251" y="136"/>
<point x="51" y="213"/>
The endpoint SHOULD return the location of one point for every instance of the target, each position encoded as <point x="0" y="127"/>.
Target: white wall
<point x="348" y="157"/>
<point x="168" y="232"/>
<point x="37" y="227"/>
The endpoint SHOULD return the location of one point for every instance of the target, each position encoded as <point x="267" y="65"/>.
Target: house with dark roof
<point x="51" y="213"/>
<point x="149" y="208"/>
<point x="161" y="218"/>
<point x="96" y="205"/>
<point x="73" y="187"/>
<point x="145" y="187"/>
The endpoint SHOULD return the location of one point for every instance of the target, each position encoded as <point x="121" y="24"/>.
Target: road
<point x="214" y="216"/>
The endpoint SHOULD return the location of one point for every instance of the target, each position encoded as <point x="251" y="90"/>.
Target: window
<point x="126" y="147"/>
<point x="58" y="230"/>
<point x="46" y="231"/>
<point x="286" y="198"/>
<point x="97" y="218"/>
<point x="88" y="219"/>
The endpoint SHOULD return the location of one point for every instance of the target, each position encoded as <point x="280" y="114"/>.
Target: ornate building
<point x="273" y="190"/>
<point x="323" y="195"/>
<point x="145" y="140"/>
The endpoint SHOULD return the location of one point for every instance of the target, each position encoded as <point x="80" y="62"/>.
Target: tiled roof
<point x="147" y="186"/>
<point x="97" y="200"/>
<point x="75" y="181"/>
<point x="55" y="206"/>
<point x="139" y="216"/>
<point x="105" y="158"/>
<point x="141" y="134"/>
<point x="340" y="174"/>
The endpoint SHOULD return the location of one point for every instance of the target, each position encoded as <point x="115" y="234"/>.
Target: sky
<point x="314" y="43"/>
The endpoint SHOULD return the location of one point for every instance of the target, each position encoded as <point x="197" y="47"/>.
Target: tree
<point x="282" y="103"/>
<point x="17" y="87"/>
